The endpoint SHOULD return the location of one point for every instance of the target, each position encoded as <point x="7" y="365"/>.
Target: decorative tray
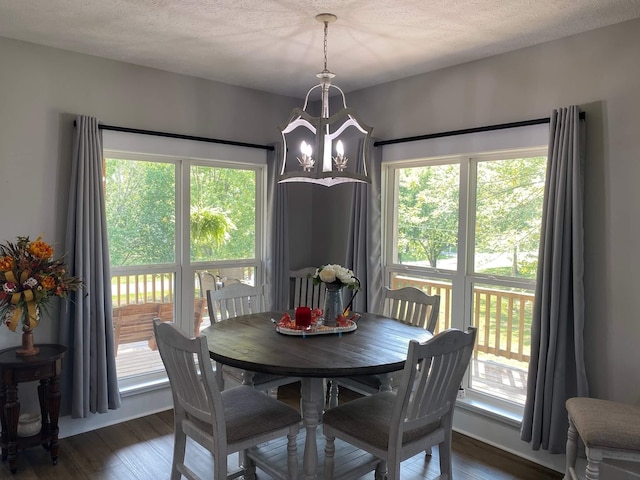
<point x="317" y="330"/>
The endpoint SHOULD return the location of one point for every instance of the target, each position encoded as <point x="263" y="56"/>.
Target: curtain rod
<point x="487" y="128"/>
<point x="180" y="136"/>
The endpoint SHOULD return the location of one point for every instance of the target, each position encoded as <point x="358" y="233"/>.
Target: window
<point x="467" y="227"/>
<point x="177" y="226"/>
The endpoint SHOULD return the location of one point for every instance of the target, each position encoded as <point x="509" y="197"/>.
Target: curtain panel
<point x="557" y="369"/>
<point x="277" y="261"/>
<point x="364" y="247"/>
<point x="90" y="383"/>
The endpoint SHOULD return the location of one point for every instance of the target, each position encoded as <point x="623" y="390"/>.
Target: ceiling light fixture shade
<point x="328" y="149"/>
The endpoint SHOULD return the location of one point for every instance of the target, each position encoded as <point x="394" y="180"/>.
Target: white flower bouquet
<point x="336" y="274"/>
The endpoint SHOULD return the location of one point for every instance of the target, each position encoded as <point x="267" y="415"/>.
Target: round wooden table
<point x="251" y="342"/>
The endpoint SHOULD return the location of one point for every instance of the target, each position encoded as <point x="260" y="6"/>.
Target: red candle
<point x="303" y="316"/>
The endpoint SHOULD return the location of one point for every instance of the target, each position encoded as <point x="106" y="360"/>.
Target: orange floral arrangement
<point x="29" y="277"/>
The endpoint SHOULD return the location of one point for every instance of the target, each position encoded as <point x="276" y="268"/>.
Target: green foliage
<point x="427" y="212"/>
<point x="141" y="205"/>
<point x="508" y="211"/>
<point x="229" y="197"/>
<point x="210" y="229"/>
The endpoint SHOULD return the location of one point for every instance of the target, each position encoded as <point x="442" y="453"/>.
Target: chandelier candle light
<point x="321" y="136"/>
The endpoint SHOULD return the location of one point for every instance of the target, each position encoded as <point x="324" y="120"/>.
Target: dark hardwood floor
<point x="141" y="449"/>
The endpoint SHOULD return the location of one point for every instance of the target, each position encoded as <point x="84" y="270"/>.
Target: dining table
<point x="375" y="344"/>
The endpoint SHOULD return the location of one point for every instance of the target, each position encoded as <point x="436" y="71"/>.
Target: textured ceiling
<point x="277" y="46"/>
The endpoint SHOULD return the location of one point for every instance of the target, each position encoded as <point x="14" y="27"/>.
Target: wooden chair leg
<point x="179" y="446"/>
<point x="382" y="470"/>
<point x="248" y="467"/>
<point x="292" y="456"/>
<point x="329" y="456"/>
<point x="333" y="394"/>
<point x="593" y="465"/>
<point x="571" y="450"/>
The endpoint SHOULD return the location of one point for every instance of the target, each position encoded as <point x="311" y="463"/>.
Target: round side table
<point x="46" y="367"/>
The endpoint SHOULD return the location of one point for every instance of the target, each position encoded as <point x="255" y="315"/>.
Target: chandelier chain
<point x="326" y="30"/>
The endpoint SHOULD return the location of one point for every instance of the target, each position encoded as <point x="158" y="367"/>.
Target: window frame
<point x="464" y="277"/>
<point x="184" y="270"/>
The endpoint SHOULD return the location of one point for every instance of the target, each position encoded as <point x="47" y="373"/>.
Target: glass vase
<point x="332" y="304"/>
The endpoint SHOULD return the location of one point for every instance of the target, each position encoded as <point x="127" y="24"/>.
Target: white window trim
<point x="463" y="149"/>
<point x="185" y="153"/>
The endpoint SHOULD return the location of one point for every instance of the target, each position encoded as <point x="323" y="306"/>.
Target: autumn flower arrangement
<point x="29" y="277"/>
<point x="337" y="275"/>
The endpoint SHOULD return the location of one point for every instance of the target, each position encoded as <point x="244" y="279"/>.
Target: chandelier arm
<point x="306" y="99"/>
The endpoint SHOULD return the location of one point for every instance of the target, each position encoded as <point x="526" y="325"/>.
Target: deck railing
<point x="142" y="288"/>
<point x="503" y="317"/>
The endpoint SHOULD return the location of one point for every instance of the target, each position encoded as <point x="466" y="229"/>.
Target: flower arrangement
<point x="29" y="278"/>
<point x="336" y="274"/>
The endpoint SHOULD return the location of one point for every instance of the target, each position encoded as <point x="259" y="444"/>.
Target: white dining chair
<point x="408" y="305"/>
<point x="223" y="422"/>
<point x="233" y="301"/>
<point x="395" y="426"/>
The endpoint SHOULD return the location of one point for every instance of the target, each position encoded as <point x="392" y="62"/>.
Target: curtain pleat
<point x="277" y="262"/>
<point x="365" y="238"/>
<point x="557" y="369"/>
<point x="90" y="383"/>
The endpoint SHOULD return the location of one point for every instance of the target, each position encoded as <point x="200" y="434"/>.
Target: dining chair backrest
<point x="196" y="396"/>
<point x="411" y="305"/>
<point x="303" y="292"/>
<point x="432" y="376"/>
<point x="234" y="300"/>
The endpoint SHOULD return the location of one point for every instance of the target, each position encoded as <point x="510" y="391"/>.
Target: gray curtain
<point x="90" y="383"/>
<point x="277" y="262"/>
<point x="557" y="370"/>
<point x="364" y="253"/>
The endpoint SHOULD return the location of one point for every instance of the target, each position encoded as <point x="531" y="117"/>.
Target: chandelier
<point x="328" y="149"/>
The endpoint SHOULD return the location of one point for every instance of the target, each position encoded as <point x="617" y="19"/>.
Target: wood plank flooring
<point x="141" y="449"/>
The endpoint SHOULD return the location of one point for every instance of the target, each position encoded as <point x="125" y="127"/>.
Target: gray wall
<point x="41" y="88"/>
<point x="600" y="71"/>
<point x="41" y="91"/>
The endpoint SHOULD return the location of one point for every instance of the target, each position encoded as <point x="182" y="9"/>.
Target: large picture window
<point x="177" y="226"/>
<point x="467" y="227"/>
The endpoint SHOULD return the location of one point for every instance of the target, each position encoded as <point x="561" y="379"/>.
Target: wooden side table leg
<point x="43" y="398"/>
<point x="54" y="412"/>
<point x="12" y="412"/>
<point x="3" y="422"/>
